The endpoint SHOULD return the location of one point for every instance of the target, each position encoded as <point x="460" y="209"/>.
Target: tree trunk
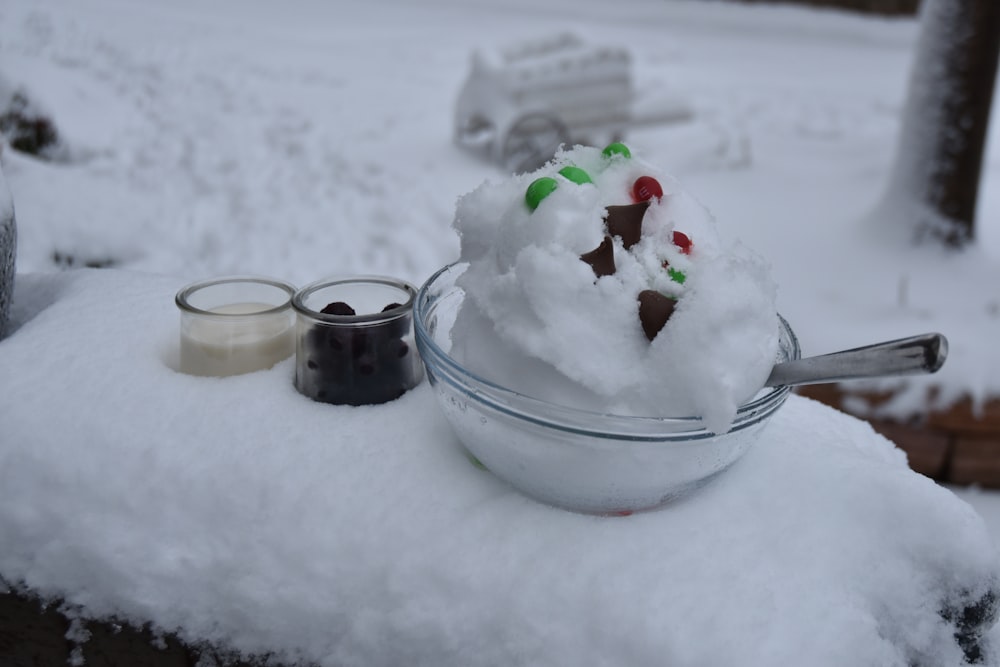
<point x="946" y="117"/>
<point x="8" y="254"/>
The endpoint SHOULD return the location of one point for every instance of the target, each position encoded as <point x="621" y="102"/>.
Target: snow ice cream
<point x="598" y="283"/>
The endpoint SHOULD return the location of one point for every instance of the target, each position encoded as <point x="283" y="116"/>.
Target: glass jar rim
<point x="299" y="299"/>
<point x="183" y="296"/>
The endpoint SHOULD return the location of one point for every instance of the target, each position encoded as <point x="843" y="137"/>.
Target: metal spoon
<point x="925" y="353"/>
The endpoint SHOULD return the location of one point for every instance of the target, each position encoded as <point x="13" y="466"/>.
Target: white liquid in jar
<point x="231" y="345"/>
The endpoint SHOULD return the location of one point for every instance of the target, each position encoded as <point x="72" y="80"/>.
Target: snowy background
<point x="304" y="139"/>
<point x="315" y="138"/>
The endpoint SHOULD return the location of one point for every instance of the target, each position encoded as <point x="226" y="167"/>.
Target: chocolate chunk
<point x="341" y="308"/>
<point x="626" y="222"/>
<point x="337" y="308"/>
<point x="654" y="311"/>
<point x="601" y="258"/>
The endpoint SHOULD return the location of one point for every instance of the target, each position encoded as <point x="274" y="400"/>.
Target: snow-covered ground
<point x="307" y="138"/>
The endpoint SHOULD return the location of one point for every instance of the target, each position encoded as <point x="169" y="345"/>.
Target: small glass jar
<point x="235" y="324"/>
<point x="354" y="340"/>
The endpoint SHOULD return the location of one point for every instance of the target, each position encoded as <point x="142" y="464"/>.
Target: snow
<point x="237" y="511"/>
<point x="306" y="139"/>
<point x="528" y="293"/>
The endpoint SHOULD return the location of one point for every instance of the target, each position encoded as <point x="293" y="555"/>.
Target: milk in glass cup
<point x="235" y="324"/>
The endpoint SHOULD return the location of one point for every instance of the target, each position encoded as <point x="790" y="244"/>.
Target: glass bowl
<point x="577" y="459"/>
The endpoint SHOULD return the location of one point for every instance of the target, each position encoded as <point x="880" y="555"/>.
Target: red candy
<point x="682" y="241"/>
<point x="645" y="188"/>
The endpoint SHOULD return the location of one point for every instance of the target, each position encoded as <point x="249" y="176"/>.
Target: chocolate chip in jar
<point x="356" y="351"/>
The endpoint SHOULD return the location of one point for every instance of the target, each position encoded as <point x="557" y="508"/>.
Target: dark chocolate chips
<point x="337" y="308"/>
<point x="357" y="363"/>
<point x="654" y="311"/>
<point x="601" y="258"/>
<point x="622" y="221"/>
<point x="626" y="221"/>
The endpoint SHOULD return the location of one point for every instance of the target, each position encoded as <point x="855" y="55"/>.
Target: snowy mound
<point x="238" y="511"/>
<point x="561" y="264"/>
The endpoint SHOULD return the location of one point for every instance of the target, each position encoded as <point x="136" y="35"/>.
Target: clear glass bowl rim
<point x="182" y="298"/>
<point x="298" y="300"/>
<point x="574" y="420"/>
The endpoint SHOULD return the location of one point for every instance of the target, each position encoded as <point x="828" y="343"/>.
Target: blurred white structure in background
<point x="521" y="102"/>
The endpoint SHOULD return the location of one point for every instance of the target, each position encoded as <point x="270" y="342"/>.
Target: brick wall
<point x="960" y="445"/>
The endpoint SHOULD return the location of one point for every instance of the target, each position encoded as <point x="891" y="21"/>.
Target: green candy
<point x="677" y="276"/>
<point x="576" y="175"/>
<point x="617" y="148"/>
<point x="476" y="462"/>
<point x="539" y="189"/>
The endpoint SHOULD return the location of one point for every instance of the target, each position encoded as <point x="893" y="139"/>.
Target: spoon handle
<point x="907" y="356"/>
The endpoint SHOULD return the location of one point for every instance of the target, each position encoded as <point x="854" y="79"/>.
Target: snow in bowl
<point x="580" y="460"/>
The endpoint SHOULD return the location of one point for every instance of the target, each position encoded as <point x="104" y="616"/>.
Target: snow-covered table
<point x="236" y="511"/>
